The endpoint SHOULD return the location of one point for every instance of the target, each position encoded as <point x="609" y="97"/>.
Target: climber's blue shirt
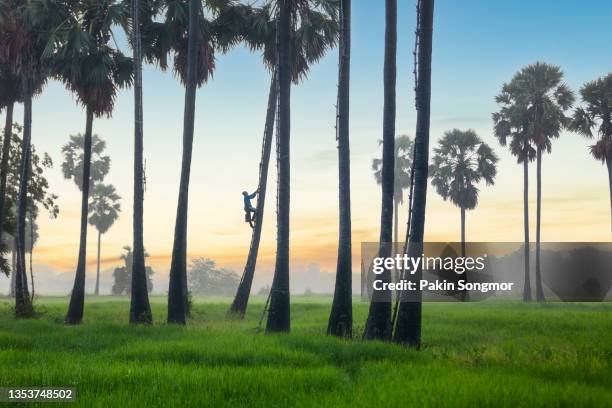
<point x="247" y="201"/>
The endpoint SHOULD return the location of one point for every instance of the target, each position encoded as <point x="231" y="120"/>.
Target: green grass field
<point x="474" y="355"/>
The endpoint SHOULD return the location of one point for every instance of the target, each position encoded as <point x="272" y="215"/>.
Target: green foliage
<point x="72" y="166"/>
<point x="485" y="354"/>
<point x="123" y="275"/>
<point x="595" y="116"/>
<point x="104" y="207"/>
<point x="404" y="150"/>
<point x="459" y="163"/>
<point x="205" y="279"/>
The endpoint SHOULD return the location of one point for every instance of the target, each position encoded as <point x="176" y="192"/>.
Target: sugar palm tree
<point x="378" y="325"/>
<point x="194" y="38"/>
<point x="595" y="117"/>
<point x="290" y="15"/>
<point x="408" y="325"/>
<point x="311" y="40"/>
<point x="24" y="34"/>
<point x="460" y="162"/>
<point x="83" y="56"/>
<point x="104" y="209"/>
<point x="510" y="127"/>
<point x="341" y="317"/>
<point x="404" y="148"/>
<point x="538" y="91"/>
<point x="74" y="160"/>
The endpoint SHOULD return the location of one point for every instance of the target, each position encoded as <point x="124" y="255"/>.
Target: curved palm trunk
<point x="140" y="309"/>
<point x="539" y="289"/>
<point x="341" y="317"/>
<point x="279" y="315"/>
<point x="378" y="325"/>
<point x="97" y="289"/>
<point x="408" y="325"/>
<point x="23" y="302"/>
<point x="527" y="284"/>
<point x="77" y="299"/>
<point x="239" y="305"/>
<point x="177" y="293"/>
<point x="4" y="165"/>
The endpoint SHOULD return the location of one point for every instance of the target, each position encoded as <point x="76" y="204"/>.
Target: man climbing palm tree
<point x="249" y="210"/>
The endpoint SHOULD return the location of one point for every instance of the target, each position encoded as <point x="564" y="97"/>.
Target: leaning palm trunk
<point x="4" y="165"/>
<point x="241" y="300"/>
<point x="408" y="325"/>
<point x="279" y="318"/>
<point x="140" y="309"/>
<point x="23" y="302"/>
<point x="177" y="293"/>
<point x="527" y="284"/>
<point x="378" y="325"/>
<point x="539" y="289"/>
<point x="341" y="316"/>
<point x="77" y="299"/>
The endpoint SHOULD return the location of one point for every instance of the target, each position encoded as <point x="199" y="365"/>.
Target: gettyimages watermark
<point x="474" y="271"/>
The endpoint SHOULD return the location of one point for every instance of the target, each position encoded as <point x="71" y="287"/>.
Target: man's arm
<point x="254" y="194"/>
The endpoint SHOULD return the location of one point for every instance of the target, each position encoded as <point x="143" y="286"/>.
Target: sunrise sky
<point x="478" y="45"/>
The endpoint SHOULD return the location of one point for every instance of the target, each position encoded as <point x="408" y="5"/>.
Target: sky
<point x="477" y="46"/>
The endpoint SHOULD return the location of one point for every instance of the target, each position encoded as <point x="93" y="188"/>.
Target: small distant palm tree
<point x="460" y="162"/>
<point x="404" y="148"/>
<point x="72" y="166"/>
<point x="595" y="117"/>
<point x="542" y="98"/>
<point x="104" y="209"/>
<point x="84" y="56"/>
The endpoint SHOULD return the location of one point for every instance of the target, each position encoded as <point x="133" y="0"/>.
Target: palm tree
<point x="538" y="92"/>
<point x="460" y="162"/>
<point x="74" y="160"/>
<point x="194" y="62"/>
<point x="378" y="325"/>
<point x="408" y="324"/>
<point x="24" y="31"/>
<point x="82" y="56"/>
<point x="104" y="209"/>
<point x="510" y="123"/>
<point x="311" y="40"/>
<point x="341" y="317"/>
<point x="279" y="317"/>
<point x="596" y="115"/>
<point x="404" y="148"/>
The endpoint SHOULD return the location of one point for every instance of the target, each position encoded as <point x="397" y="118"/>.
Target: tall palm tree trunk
<point x="241" y="300"/>
<point x="378" y="325"/>
<point x="23" y="302"/>
<point x="13" y="269"/>
<point x="341" y="317"/>
<point x="4" y="165"/>
<point x="31" y="252"/>
<point x="177" y="294"/>
<point x="408" y="325"/>
<point x="539" y="289"/>
<point x="527" y="284"/>
<point x="279" y="314"/>
<point x="609" y="164"/>
<point x="465" y="295"/>
<point x="77" y="299"/>
<point x="140" y="309"/>
<point x="97" y="289"/>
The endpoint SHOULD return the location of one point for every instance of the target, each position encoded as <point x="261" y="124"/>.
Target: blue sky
<point x="478" y="45"/>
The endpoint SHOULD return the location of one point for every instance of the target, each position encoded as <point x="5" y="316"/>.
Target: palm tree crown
<point x="404" y="148"/>
<point x="460" y="162"/>
<point x="72" y="166"/>
<point x="104" y="207"/>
